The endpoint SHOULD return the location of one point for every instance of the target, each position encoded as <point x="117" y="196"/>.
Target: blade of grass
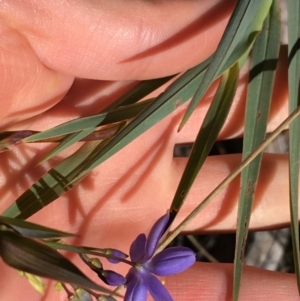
<point x="16" y="137"/>
<point x="263" y="65"/>
<point x="83" y="127"/>
<point x="245" y="21"/>
<point x="81" y="124"/>
<point x="294" y="145"/>
<point x="211" y="127"/>
<point x="32" y="230"/>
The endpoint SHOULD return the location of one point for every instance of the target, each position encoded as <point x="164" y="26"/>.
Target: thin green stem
<point x="227" y="180"/>
<point x="84" y="250"/>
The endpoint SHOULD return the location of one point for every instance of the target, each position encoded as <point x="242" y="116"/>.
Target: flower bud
<point x="96" y="263"/>
<point x="115" y="255"/>
<point x="111" y="278"/>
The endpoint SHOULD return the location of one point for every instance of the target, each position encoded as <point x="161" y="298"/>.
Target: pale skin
<point x="44" y="46"/>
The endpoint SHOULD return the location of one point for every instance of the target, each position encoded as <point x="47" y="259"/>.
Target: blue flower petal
<point x="137" y="248"/>
<point x="135" y="287"/>
<point x="155" y="235"/>
<point x="171" y="261"/>
<point x="156" y="288"/>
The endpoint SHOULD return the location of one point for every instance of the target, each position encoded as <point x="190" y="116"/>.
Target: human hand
<point x="45" y="45"/>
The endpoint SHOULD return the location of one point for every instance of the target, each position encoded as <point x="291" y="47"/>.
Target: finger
<point x="128" y="194"/>
<point x="203" y="281"/>
<point x="86" y="97"/>
<point x="270" y="207"/>
<point x="120" y="40"/>
<point x="46" y="43"/>
<point x="131" y="197"/>
<point x="213" y="282"/>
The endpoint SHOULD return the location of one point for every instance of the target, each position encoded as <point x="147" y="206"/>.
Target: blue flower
<point x="140" y="278"/>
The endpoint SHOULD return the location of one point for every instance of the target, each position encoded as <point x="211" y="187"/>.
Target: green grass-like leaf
<point x="123" y="108"/>
<point x="294" y="146"/>
<point x="32" y="230"/>
<point x="211" y="127"/>
<point x="263" y="65"/>
<point x="245" y="22"/>
<point x="77" y="125"/>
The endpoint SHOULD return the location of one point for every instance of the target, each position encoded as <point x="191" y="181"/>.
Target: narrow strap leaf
<point x="81" y="124"/>
<point x="32" y="230"/>
<point x="263" y="66"/>
<point x="211" y="127"/>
